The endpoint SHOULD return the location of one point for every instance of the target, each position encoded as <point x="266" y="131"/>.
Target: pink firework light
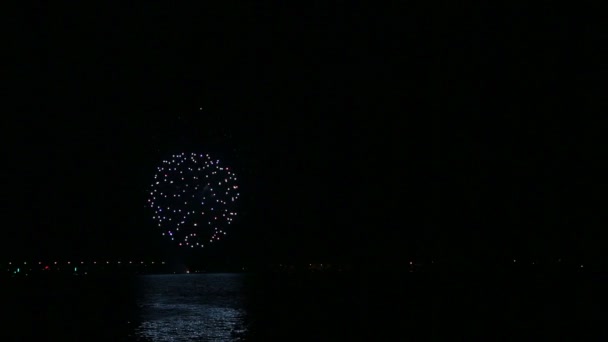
<point x="195" y="189"/>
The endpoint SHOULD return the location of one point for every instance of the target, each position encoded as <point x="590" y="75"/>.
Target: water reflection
<point x="187" y="307"/>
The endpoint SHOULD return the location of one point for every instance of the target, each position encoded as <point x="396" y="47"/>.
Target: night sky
<point x="358" y="134"/>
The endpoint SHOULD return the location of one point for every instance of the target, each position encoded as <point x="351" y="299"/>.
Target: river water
<point x="308" y="307"/>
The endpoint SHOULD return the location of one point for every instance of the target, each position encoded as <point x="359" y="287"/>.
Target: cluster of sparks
<point x="192" y="198"/>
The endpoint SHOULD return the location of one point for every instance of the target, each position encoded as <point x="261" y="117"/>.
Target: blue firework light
<point x="193" y="199"/>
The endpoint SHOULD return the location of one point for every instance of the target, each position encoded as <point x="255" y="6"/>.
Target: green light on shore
<point x="18" y="270"/>
<point x="75" y="269"/>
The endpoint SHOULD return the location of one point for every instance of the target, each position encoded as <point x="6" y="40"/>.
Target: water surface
<point x="305" y="307"/>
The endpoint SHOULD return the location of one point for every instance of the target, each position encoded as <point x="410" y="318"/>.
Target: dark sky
<point x="359" y="133"/>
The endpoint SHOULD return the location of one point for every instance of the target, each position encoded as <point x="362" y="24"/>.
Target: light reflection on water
<point x="187" y="307"/>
